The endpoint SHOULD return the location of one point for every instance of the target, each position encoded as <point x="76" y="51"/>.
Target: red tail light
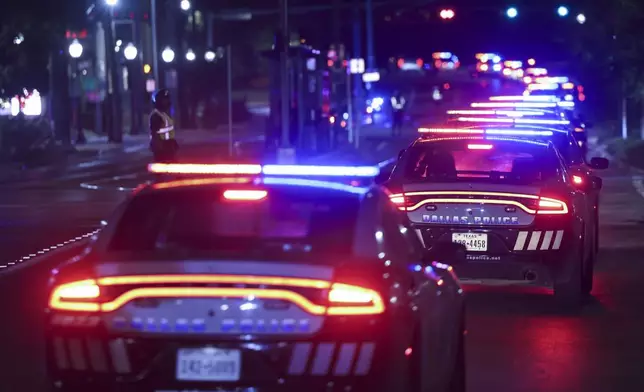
<point x="550" y="206"/>
<point x="400" y="201"/>
<point x="341" y="299"/>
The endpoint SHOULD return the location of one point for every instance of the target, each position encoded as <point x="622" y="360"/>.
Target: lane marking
<point x="46" y="252"/>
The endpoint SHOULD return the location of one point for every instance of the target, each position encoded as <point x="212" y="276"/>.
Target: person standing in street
<point x="398" y="112"/>
<point x="163" y="144"/>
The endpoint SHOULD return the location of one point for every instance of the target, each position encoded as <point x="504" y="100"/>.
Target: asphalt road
<point x="517" y="340"/>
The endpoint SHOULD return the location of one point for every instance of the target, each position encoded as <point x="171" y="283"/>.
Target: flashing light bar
<point x="509" y="113"/>
<point x="536" y="71"/>
<point x="514" y="132"/>
<point x="451" y="130"/>
<point x="566" y="104"/>
<point x="545" y="86"/>
<point x="526" y="98"/>
<point x="500" y="132"/>
<point x="528" y="121"/>
<point x="270" y="170"/>
<point x="536" y="105"/>
<point x="551" y="79"/>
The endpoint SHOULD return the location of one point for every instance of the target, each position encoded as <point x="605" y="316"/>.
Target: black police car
<point x="522" y="215"/>
<point x="240" y="282"/>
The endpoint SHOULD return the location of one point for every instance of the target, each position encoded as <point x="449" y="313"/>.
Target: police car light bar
<point x="270" y="170"/>
<point x="528" y="121"/>
<point x="509" y="113"/>
<point x="536" y="105"/>
<point x="451" y="130"/>
<point x="196" y="168"/>
<point x="514" y="132"/>
<point x="526" y="98"/>
<point x="551" y="79"/>
<point x="539" y="86"/>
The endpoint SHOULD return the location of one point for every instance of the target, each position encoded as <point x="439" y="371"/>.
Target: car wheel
<point x="569" y="294"/>
<point x="458" y="380"/>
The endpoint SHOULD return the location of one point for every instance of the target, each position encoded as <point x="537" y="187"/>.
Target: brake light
<point x="400" y="201"/>
<point x="577" y="180"/>
<point x="550" y="206"/>
<point x="76" y="296"/>
<point x="342" y="299"/>
<point x="479" y="146"/>
<point x="353" y="300"/>
<point x="245" y="194"/>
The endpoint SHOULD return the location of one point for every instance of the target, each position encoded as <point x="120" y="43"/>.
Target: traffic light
<point x="447" y="14"/>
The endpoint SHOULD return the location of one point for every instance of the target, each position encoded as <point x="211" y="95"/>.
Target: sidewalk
<point x="98" y="153"/>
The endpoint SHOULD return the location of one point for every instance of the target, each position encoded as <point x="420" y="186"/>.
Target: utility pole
<point x="286" y="154"/>
<point x="116" y="131"/>
<point x="371" y="57"/>
<point x="155" y="43"/>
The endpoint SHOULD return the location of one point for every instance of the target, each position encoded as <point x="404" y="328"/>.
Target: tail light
<point x="400" y="201"/>
<point x="345" y="300"/>
<point x="550" y="206"/>
<point x="342" y="299"/>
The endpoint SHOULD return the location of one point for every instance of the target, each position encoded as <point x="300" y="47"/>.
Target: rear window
<point x="505" y="162"/>
<point x="298" y="222"/>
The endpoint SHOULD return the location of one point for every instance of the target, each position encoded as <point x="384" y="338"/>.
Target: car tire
<point x="569" y="294"/>
<point x="458" y="381"/>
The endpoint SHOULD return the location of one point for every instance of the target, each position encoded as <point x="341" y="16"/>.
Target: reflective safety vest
<point x="167" y="132"/>
<point x="398" y="105"/>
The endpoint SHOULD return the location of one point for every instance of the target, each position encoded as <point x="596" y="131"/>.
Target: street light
<point x="512" y="12"/>
<point x="185" y="5"/>
<point x="75" y="49"/>
<point x="562" y="11"/>
<point x="447" y="14"/>
<point x="190" y="55"/>
<point x="111" y="3"/>
<point x="167" y="55"/>
<point x="210" y="56"/>
<point x="531" y="62"/>
<point x="130" y="52"/>
<point x="581" y="18"/>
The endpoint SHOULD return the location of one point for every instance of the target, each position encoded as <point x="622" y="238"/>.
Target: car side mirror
<point x="446" y="252"/>
<point x="599" y="163"/>
<point x="597" y="182"/>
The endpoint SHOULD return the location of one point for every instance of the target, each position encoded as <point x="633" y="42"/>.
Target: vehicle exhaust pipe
<point x="530" y="275"/>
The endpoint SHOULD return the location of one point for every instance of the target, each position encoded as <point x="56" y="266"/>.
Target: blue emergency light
<point x="268" y="170"/>
<point x="526" y="121"/>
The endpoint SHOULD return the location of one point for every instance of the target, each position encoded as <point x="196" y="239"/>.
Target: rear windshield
<point x="505" y="162"/>
<point x="298" y="222"/>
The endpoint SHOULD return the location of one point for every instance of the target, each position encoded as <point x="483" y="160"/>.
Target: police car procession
<point x="263" y="278"/>
<point x="526" y="116"/>
<point x="522" y="215"/>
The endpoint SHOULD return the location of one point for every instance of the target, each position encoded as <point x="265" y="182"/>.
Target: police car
<point x="234" y="277"/>
<point x="522" y="215"/>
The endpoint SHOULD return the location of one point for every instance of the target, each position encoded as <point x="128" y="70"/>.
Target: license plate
<point x="208" y="364"/>
<point x="473" y="242"/>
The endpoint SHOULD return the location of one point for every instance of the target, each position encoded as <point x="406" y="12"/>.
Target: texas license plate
<point x="208" y="364"/>
<point x="473" y="242"/>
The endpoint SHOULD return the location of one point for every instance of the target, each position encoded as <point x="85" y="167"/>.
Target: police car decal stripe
<point x="558" y="239"/>
<point x="420" y="237"/>
<point x="521" y="238"/>
<point x="546" y="240"/>
<point x="534" y="240"/>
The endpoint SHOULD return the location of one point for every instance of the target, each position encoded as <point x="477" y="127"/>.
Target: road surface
<point x="517" y="340"/>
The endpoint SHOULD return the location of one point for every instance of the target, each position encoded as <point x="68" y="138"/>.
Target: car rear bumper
<point x="91" y="360"/>
<point x="526" y="256"/>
